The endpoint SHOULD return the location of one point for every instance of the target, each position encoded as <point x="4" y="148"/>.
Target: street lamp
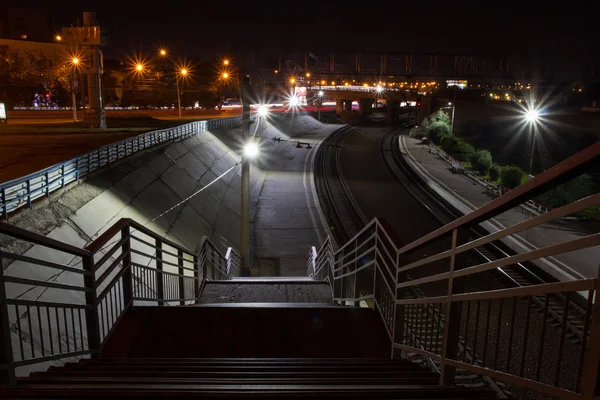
<point x="532" y="116"/>
<point x="251" y="149"/>
<point x="74" y="64"/>
<point x="224" y="78"/>
<point x="320" y="102"/>
<point x="225" y="62"/>
<point x="181" y="74"/>
<point x="163" y="52"/>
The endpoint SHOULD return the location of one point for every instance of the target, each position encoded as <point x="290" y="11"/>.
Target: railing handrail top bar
<point x="141" y="228"/>
<point x="511" y="198"/>
<point x="42" y="240"/>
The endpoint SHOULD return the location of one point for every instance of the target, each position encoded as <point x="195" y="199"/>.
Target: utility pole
<point x="245" y="206"/>
<point x="178" y="95"/>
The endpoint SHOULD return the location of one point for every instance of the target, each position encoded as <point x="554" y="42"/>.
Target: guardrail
<point x="508" y="338"/>
<point x="22" y="192"/>
<point x="78" y="296"/>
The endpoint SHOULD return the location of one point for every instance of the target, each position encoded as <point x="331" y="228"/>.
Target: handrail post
<point x="181" y="280"/>
<point x="7" y="376"/>
<point x="452" y="313"/>
<point x="92" y="316"/>
<point x="196" y="278"/>
<point x="159" y="273"/>
<point x="399" y="310"/>
<point x="127" y="275"/>
<point x="591" y="371"/>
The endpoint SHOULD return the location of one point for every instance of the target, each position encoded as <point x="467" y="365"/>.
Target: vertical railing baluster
<point x="159" y="275"/>
<point x="525" y="336"/>
<point x="542" y="334"/>
<point x="49" y="330"/>
<point x="127" y="275"/>
<point x="7" y="376"/>
<point x="181" y="276"/>
<point x="41" y="331"/>
<point x="28" y="313"/>
<point x="512" y="332"/>
<point x="467" y="331"/>
<point x="196" y="279"/>
<point x="450" y="340"/>
<point x="591" y="375"/>
<point x="561" y="340"/>
<point x="498" y="332"/>
<point x="92" y="316"/>
<point x="584" y="336"/>
<point x="4" y="203"/>
<point x="477" y="304"/>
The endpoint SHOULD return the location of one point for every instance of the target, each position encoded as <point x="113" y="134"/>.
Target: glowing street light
<point x="75" y="60"/>
<point x="225" y="62"/>
<point x="294" y="101"/>
<point x="308" y="74"/>
<point x="292" y="81"/>
<point x="225" y="75"/>
<point x="251" y="150"/>
<point x="379" y="89"/>
<point x="321" y="93"/>
<point x="75" y="63"/>
<point x="183" y="72"/>
<point x="263" y="111"/>
<point x="139" y="67"/>
<point x="58" y="38"/>
<point x="163" y="52"/>
<point x="532" y="115"/>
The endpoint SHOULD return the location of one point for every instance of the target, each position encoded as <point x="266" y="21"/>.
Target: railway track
<point x="343" y="215"/>
<point x="517" y="275"/>
<point x="346" y="219"/>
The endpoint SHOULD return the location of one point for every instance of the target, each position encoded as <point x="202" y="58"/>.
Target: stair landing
<point x="252" y="290"/>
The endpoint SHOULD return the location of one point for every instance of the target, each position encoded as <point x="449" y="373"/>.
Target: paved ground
<point x="287" y="219"/>
<point x="467" y="195"/>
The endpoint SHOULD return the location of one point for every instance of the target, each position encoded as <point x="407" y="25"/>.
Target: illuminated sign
<point x="2" y="112"/>
<point x="460" y="83"/>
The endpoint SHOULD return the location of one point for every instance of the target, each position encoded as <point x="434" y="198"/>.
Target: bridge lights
<point x="379" y="89"/>
<point x="263" y="111"/>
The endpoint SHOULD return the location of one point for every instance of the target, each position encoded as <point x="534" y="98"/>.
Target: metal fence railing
<point x="58" y="301"/>
<point x="22" y="192"/>
<point x="461" y="321"/>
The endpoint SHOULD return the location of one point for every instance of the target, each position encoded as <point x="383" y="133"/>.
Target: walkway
<point x="466" y="194"/>
<point x="287" y="219"/>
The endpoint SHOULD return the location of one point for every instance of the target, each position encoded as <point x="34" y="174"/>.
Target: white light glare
<point x="294" y="101"/>
<point x="321" y="93"/>
<point x="379" y="89"/>
<point x="532" y="115"/>
<point x="263" y="111"/>
<point x="251" y="149"/>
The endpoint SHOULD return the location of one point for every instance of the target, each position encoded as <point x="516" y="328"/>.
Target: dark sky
<point x="559" y="29"/>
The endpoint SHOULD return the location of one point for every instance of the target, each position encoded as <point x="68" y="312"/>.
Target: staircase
<point x="160" y="322"/>
<point x="239" y="378"/>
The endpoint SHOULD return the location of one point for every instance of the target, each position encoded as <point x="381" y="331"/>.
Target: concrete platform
<point x="466" y="195"/>
<point x="275" y="292"/>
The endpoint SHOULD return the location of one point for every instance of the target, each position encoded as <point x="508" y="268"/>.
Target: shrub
<point x="441" y="116"/>
<point x="462" y="151"/>
<point x="481" y="161"/>
<point x="494" y="173"/>
<point x="436" y="130"/>
<point x="511" y="176"/>
<point x="448" y="143"/>
<point x="573" y="190"/>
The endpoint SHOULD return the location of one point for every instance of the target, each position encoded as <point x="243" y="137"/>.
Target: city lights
<point x="263" y="111"/>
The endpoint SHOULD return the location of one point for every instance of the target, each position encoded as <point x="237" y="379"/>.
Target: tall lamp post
<point x="320" y="101"/>
<point x="224" y="78"/>
<point x="181" y="74"/>
<point x="75" y="65"/>
<point x="531" y="117"/>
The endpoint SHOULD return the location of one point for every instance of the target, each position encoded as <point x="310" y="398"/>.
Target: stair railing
<point x="79" y="295"/>
<point x="506" y="337"/>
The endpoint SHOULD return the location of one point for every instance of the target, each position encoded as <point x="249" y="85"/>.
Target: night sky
<point x="521" y="28"/>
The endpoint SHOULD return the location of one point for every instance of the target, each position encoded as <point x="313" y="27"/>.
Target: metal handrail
<point x="22" y="192"/>
<point x="126" y="266"/>
<point x="367" y="257"/>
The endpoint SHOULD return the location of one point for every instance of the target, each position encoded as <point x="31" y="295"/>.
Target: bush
<point x="441" y="116"/>
<point x="494" y="173"/>
<point x="573" y="190"/>
<point x="481" y="161"/>
<point x="448" y="143"/>
<point x="462" y="151"/>
<point x="511" y="176"/>
<point x="436" y="130"/>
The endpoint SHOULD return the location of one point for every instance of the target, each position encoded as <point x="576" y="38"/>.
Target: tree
<point x="441" y="116"/>
<point x="494" y="173"/>
<point x="481" y="161"/>
<point x="511" y="176"/>
<point x="573" y="190"/>
<point x="462" y="151"/>
<point x="437" y="129"/>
